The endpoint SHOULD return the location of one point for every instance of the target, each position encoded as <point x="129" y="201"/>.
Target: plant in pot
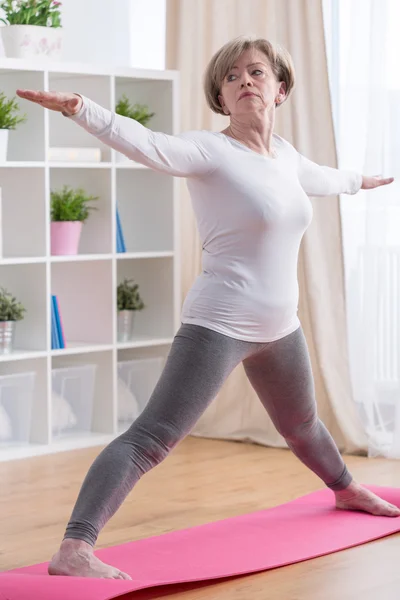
<point x="11" y="311"/>
<point x="69" y="211"/>
<point x="9" y="119"/>
<point x="33" y="28"/>
<point x="128" y="302"/>
<point x="138" y="112"/>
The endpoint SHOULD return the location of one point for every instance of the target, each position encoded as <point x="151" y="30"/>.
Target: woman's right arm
<point x="178" y="155"/>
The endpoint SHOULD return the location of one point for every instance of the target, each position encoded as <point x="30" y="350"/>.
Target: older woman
<point x="249" y="189"/>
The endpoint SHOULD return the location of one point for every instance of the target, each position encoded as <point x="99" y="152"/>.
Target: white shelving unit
<point x="85" y="284"/>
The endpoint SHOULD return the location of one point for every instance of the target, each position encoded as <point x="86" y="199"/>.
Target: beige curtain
<point x="195" y="30"/>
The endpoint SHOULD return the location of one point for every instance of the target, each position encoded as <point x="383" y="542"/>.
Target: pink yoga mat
<point x="305" y="528"/>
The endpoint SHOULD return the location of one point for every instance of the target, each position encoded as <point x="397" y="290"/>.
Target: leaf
<point x="68" y="204"/>
<point x="138" y="112"/>
<point x="128" y="297"/>
<point x="10" y="308"/>
<point x="9" y="119"/>
<point x="42" y="13"/>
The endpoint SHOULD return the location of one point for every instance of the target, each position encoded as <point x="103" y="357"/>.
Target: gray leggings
<point x="199" y="362"/>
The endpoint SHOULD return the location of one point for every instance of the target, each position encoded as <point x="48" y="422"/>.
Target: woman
<point x="249" y="189"/>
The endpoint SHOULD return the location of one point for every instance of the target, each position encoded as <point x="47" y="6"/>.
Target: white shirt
<point x="252" y="212"/>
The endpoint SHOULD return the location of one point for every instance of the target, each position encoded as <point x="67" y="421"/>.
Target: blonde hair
<point x="224" y="59"/>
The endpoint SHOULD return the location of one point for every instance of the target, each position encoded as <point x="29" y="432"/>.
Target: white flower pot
<point x="7" y="334"/>
<point x="125" y="323"/>
<point x="3" y="145"/>
<point x="32" y="41"/>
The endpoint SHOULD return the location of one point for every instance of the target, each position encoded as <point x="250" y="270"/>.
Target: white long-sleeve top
<point x="252" y="212"/>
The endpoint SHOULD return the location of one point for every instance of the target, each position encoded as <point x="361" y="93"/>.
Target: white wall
<point x="97" y="34"/>
<point x="114" y="32"/>
<point x="147" y="33"/>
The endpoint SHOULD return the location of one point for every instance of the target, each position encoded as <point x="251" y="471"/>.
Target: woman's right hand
<point x="65" y="102"/>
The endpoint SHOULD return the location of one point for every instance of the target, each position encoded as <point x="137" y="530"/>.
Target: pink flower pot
<point x="65" y="236"/>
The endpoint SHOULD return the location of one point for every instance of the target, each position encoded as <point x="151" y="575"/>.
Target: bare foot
<point x="75" y="558"/>
<point x="356" y="497"/>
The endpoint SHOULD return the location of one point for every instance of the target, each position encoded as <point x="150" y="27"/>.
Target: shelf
<point x="85" y="284"/>
<point x="22" y="354"/>
<point x="67" y="443"/>
<point x="80" y="257"/>
<point x="144" y="342"/>
<point x="83" y="69"/>
<point x="129" y="164"/>
<point x="23" y="260"/>
<point x="18" y="452"/>
<point x="80" y="348"/>
<point x="80" y="440"/>
<point x="22" y="164"/>
<point x="137" y="255"/>
<point x="79" y="165"/>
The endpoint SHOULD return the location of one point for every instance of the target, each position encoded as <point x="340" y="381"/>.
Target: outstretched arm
<point x="176" y="155"/>
<point x="318" y="180"/>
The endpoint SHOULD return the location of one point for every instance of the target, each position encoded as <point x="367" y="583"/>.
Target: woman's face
<point x="250" y="86"/>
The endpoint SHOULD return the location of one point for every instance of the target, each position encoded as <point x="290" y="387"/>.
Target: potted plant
<point x="32" y="28"/>
<point x="138" y="112"/>
<point x="9" y="119"/>
<point x="11" y="311"/>
<point x="69" y="211"/>
<point x="128" y="301"/>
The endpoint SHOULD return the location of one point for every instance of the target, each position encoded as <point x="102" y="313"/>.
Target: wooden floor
<point x="201" y="481"/>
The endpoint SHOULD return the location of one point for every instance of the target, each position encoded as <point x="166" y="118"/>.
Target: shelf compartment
<point x="96" y="235"/>
<point x="144" y="341"/>
<point x="23" y="212"/>
<point x="157" y="95"/>
<point x="27" y="282"/>
<point x="33" y="128"/>
<point x="16" y="399"/>
<point x="65" y="133"/>
<point x="155" y="279"/>
<point x="137" y="379"/>
<point x="85" y="296"/>
<point x="23" y="404"/>
<point x="82" y="396"/>
<point x="146" y="208"/>
<point x="72" y="399"/>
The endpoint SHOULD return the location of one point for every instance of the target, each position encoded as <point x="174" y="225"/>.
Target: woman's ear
<point x="223" y="105"/>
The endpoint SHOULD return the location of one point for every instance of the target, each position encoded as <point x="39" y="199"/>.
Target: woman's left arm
<point x="317" y="180"/>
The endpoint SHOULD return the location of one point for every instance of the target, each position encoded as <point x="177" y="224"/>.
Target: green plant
<point x="68" y="204"/>
<point x="44" y="13"/>
<point x="10" y="308"/>
<point x="8" y="108"/>
<point x="128" y="297"/>
<point x="138" y="112"/>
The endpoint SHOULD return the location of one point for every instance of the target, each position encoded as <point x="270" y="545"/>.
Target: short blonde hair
<point x="224" y="59"/>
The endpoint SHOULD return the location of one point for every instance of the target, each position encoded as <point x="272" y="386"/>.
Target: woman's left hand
<point x="369" y="183"/>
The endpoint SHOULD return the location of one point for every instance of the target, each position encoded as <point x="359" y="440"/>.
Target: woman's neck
<point x="256" y="135"/>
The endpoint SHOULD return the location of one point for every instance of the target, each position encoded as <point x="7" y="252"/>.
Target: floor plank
<point x="201" y="481"/>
